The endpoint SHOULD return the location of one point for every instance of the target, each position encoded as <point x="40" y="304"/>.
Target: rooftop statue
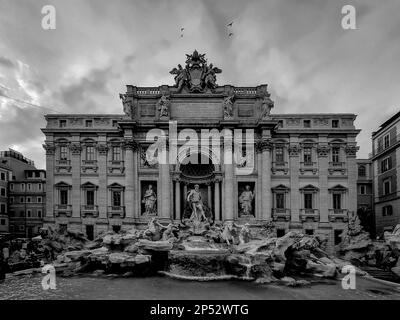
<point x="197" y="76"/>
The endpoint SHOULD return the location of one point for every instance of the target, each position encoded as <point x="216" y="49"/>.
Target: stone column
<point x="50" y="153"/>
<point x="266" y="199"/>
<point x="351" y="151"/>
<point x="102" y="199"/>
<point x="177" y="200"/>
<point x="324" y="199"/>
<point x="164" y="178"/>
<point x="228" y="213"/>
<point x="294" y="151"/>
<point x="216" y="200"/>
<point x="130" y="178"/>
<point x="76" y="149"/>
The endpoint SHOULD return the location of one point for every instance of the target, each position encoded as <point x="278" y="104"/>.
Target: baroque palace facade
<point x="99" y="176"/>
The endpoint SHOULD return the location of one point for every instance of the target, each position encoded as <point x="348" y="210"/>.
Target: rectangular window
<point x="307" y="156"/>
<point x="386" y="141"/>
<point x="116" y="154"/>
<point x="90" y="153"/>
<point x="63" y="153"/>
<point x="29" y="186"/>
<point x="337" y="201"/>
<point x="21" y="200"/>
<point x="386" y="186"/>
<point x="3" y="208"/>
<point x="335" y="123"/>
<point x="307" y="123"/>
<point x="29" y="213"/>
<point x="63" y="123"/>
<point x="64" y="197"/>
<point x="89" y="123"/>
<point x="335" y="155"/>
<point x="40" y="186"/>
<point x="363" y="189"/>
<point x="387" y="210"/>
<point x="280" y="200"/>
<point x="2" y="176"/>
<point x="3" y="192"/>
<point x="3" y="222"/>
<point x="90" y="197"/>
<point x="28" y="199"/>
<point x="279" y="155"/>
<point x="116" y="198"/>
<point x="39" y="199"/>
<point x="23" y="186"/>
<point x="386" y="164"/>
<point x="12" y="186"/>
<point x="308" y="201"/>
<point x="39" y="213"/>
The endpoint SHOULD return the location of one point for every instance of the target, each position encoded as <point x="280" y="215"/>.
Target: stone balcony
<point x="116" y="212"/>
<point x="310" y="166"/>
<point x="337" y="167"/>
<point x="63" y="209"/>
<point x="338" y="214"/>
<point x="280" y="166"/>
<point x="309" y="214"/>
<point x="89" y="166"/>
<point x="89" y="211"/>
<point x="63" y="166"/>
<point x="280" y="214"/>
<point x="116" y="166"/>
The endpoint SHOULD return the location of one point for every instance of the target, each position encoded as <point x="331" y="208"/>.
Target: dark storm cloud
<point x="298" y="47"/>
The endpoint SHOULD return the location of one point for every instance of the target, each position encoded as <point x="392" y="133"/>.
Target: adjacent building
<point x="386" y="165"/>
<point x="303" y="170"/>
<point x="5" y="176"/>
<point x="26" y="194"/>
<point x="365" y="198"/>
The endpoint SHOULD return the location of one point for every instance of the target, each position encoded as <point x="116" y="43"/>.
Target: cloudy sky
<point x="298" y="47"/>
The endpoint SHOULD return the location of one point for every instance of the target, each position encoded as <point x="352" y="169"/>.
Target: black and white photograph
<point x="199" y="156"/>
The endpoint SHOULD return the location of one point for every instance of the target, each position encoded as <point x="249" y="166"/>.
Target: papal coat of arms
<point x="197" y="76"/>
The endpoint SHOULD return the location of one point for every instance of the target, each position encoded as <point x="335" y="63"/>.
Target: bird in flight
<point x="229" y="24"/>
<point x="182" y="29"/>
<point x="230" y="34"/>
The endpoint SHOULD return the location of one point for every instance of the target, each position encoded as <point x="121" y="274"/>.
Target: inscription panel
<point x="184" y="110"/>
<point x="245" y="110"/>
<point x="147" y="110"/>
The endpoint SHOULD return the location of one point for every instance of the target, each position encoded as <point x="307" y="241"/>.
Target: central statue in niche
<point x="196" y="204"/>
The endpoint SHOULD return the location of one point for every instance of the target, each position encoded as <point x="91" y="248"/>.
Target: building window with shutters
<point x="386" y="141"/>
<point x="386" y="164"/>
<point x="387" y="186"/>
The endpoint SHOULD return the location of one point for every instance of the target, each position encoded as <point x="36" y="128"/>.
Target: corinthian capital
<point x="50" y="148"/>
<point x="130" y="144"/>
<point x="263" y="144"/>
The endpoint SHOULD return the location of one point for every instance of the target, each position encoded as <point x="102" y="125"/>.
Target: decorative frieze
<point x="351" y="151"/>
<point x="50" y="148"/>
<point x="294" y="150"/>
<point x="102" y="149"/>
<point x="75" y="148"/>
<point x="323" y="151"/>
